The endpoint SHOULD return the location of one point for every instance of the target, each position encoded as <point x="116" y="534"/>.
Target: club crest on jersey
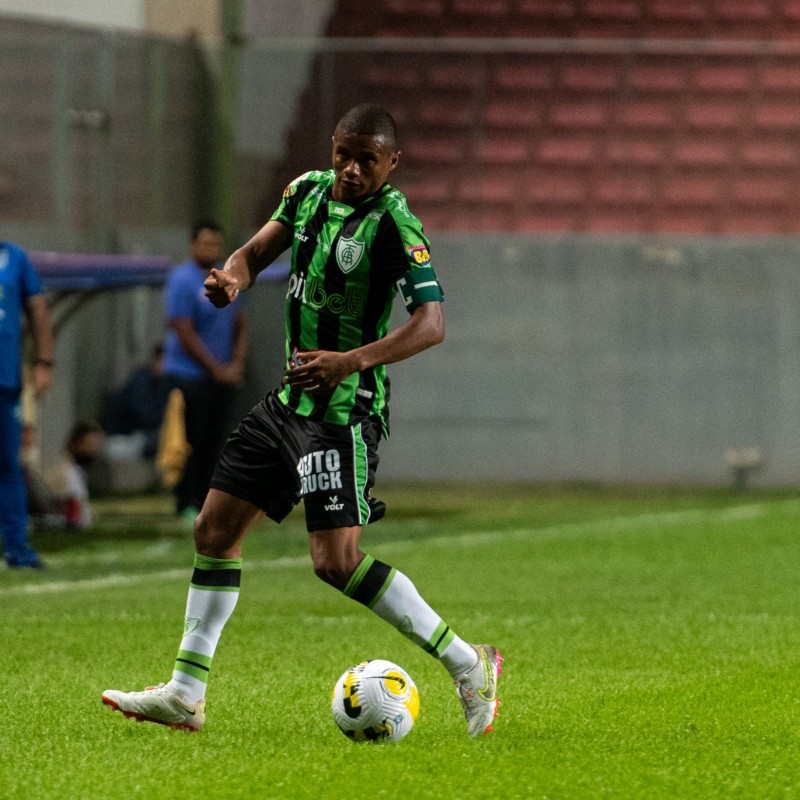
<point x="419" y="255"/>
<point x="348" y="254"/>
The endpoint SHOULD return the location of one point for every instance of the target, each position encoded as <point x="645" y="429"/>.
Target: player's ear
<point x="394" y="159"/>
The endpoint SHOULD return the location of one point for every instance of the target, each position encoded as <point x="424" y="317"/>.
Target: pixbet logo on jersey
<point x="312" y="293"/>
<point x="320" y="471"/>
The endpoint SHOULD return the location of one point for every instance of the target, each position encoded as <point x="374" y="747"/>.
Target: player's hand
<point x="320" y="370"/>
<point x="221" y="288"/>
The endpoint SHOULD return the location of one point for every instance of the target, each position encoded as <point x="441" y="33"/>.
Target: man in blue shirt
<point x="204" y="357"/>
<point x="20" y="290"/>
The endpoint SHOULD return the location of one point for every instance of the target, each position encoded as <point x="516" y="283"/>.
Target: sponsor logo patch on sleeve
<point x="289" y="190"/>
<point x="419" y="255"/>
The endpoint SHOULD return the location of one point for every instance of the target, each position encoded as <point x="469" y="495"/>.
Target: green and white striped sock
<point x="395" y="599"/>
<point x="212" y="597"/>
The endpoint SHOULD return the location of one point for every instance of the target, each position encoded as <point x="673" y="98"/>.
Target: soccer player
<point x="354" y="245"/>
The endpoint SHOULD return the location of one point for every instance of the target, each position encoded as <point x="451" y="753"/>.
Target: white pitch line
<point x="608" y="525"/>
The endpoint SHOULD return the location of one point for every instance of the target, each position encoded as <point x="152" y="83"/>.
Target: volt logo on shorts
<point x="320" y="471"/>
<point x="334" y="504"/>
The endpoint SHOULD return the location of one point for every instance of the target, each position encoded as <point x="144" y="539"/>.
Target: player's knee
<point x="331" y="573"/>
<point x="208" y="538"/>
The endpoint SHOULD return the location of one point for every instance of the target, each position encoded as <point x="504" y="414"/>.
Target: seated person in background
<point x="68" y="480"/>
<point x="137" y="408"/>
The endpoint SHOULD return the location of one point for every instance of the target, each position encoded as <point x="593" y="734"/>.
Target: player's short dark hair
<point x="369" y="120"/>
<point x="203" y="225"/>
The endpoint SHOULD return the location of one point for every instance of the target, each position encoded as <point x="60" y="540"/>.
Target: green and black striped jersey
<point x="348" y="263"/>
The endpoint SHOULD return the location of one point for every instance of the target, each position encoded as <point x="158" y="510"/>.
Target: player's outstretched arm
<point x="323" y="369"/>
<point x="241" y="269"/>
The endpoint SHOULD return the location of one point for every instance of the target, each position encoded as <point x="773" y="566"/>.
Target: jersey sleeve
<point x="30" y="282"/>
<point x="404" y="256"/>
<point x="290" y="202"/>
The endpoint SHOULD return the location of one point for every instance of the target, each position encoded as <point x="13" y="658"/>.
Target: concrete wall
<point x="613" y="359"/>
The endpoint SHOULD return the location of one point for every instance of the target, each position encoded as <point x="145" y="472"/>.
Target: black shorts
<point x="276" y="458"/>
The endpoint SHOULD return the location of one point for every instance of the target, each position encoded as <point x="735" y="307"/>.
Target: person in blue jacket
<point x="20" y="291"/>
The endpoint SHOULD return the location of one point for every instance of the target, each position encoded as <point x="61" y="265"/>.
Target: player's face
<point x="206" y="249"/>
<point x="362" y="165"/>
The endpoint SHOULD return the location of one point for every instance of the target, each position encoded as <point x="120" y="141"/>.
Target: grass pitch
<point x="652" y="644"/>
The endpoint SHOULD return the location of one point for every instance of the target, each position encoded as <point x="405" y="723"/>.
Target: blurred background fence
<point x="614" y="218"/>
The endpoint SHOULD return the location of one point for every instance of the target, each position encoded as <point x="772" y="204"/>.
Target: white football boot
<point x="477" y="689"/>
<point x="158" y="704"/>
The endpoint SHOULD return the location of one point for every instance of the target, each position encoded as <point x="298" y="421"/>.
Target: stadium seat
<point x="567" y="151"/>
<point x="691" y="191"/>
<point x="659" y="77"/>
<point x="780" y="154"/>
<point x="647" y="114"/>
<point x="623" y="190"/>
<point x="723" y="79"/>
<point x="414" y="8"/>
<point x="436" y="150"/>
<point x="636" y="153"/>
<point x="761" y="191"/>
<point x="781" y="78"/>
<point x="702" y="153"/>
<point x="489" y="190"/>
<point x="525" y="78"/>
<point x="490" y="9"/>
<point x="713" y="116"/>
<point x="512" y="114"/>
<point x="690" y="11"/>
<point x="581" y="115"/>
<point x="503" y="151"/>
<point x="555" y="188"/>
<point x="777" y="117"/>
<point x="595" y="78"/>
<point x="743" y="10"/>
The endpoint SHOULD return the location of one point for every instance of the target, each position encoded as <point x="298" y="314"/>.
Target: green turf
<point x="652" y="641"/>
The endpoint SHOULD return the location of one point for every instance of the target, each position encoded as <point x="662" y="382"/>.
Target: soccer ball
<point x="375" y="701"/>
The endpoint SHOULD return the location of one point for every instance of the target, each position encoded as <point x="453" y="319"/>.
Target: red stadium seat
<point x="452" y="76"/>
<point x="770" y="154"/>
<point x="579" y="115"/>
<point x="744" y="10"/>
<point x="513" y="114"/>
<point x="781" y="78"/>
<point x="648" y="114"/>
<point x="678" y="10"/>
<point x="777" y="117"/>
<point x="622" y="190"/>
<point x="702" y="154"/>
<point x="723" y="79"/>
<point x="613" y="10"/>
<point x="480" y="8"/>
<point x="637" y="153"/>
<point x="415" y="8"/>
<point x="658" y="78"/>
<point x="435" y="150"/>
<point x="711" y="116"/>
<point x="503" y="151"/>
<point x="547" y="9"/>
<point x="489" y="190"/>
<point x="567" y="151"/>
<point x="691" y="191"/>
<point x="428" y="190"/>
<point x="556" y="189"/>
<point x="591" y="78"/>
<point x="528" y="78"/>
<point x="761" y="191"/>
